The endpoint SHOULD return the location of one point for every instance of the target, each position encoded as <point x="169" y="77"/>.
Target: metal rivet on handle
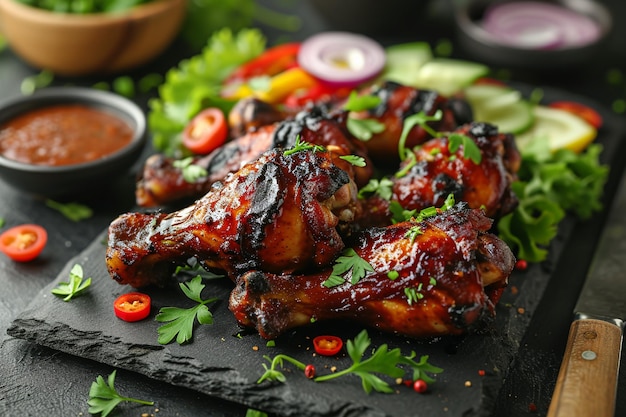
<point x="589" y="355"/>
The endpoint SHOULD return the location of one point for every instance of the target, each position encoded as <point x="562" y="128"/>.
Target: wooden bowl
<point x="85" y="44"/>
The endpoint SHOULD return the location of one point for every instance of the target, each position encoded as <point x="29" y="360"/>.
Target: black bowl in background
<point x="483" y="47"/>
<point x="56" y="181"/>
<point x="372" y="17"/>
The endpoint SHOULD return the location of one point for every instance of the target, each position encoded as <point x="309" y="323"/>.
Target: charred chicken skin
<point x="439" y="276"/>
<point x="279" y="213"/>
<point x="257" y="127"/>
<point x="397" y="102"/>
<point x="162" y="183"/>
<point x="439" y="169"/>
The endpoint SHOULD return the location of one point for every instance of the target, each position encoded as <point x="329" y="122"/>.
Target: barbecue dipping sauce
<point x="64" y="134"/>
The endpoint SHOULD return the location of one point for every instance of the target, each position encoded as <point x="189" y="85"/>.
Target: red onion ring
<point x="341" y="58"/>
<point x="539" y="25"/>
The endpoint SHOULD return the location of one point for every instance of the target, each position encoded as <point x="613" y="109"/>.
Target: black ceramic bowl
<point x="55" y="181"/>
<point x="485" y="47"/>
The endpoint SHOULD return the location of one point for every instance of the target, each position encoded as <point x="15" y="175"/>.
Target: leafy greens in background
<point x="195" y="84"/>
<point x="550" y="186"/>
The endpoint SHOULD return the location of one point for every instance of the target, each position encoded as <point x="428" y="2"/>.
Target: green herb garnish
<point x="181" y="321"/>
<point x="75" y="286"/>
<point x="470" y="149"/>
<point x="382" y="188"/>
<point x="381" y="362"/>
<point x="191" y="172"/>
<point x="357" y="161"/>
<point x="550" y="185"/>
<point x="348" y="262"/>
<point x="362" y="129"/>
<point x="302" y="146"/>
<point x="196" y="83"/>
<point x="418" y="119"/>
<point x="103" y="397"/>
<point x="73" y="211"/>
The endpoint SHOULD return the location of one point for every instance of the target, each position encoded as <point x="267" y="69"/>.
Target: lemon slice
<point x="562" y="129"/>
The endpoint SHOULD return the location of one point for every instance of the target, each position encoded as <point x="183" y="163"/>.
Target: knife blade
<point x="587" y="380"/>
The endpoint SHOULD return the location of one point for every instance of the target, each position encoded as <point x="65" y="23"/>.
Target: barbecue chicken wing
<point x="397" y="102"/>
<point x="162" y="183"/>
<point x="281" y="212"/>
<point x="443" y="166"/>
<point x="439" y="276"/>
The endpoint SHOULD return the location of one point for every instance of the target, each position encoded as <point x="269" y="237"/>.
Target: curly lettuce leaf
<point x="550" y="186"/>
<point x="195" y="84"/>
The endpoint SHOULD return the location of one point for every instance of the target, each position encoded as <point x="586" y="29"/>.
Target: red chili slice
<point x="133" y="306"/>
<point x="206" y="132"/>
<point x="23" y="243"/>
<point x="585" y="112"/>
<point x="327" y="345"/>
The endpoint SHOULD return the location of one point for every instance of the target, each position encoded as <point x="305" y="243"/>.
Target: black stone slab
<point x="225" y="363"/>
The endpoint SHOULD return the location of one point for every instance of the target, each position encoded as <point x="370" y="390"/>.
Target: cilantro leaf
<point x="180" y="321"/>
<point x="364" y="129"/>
<point x="357" y="161"/>
<point x="383" y="188"/>
<point x="103" y="397"/>
<point x="348" y="262"/>
<point x="301" y="146"/>
<point x="418" y="119"/>
<point x="470" y="149"/>
<point x="191" y="172"/>
<point x="358" y="102"/>
<point x="383" y="361"/>
<point x="75" y="286"/>
<point x="73" y="211"/>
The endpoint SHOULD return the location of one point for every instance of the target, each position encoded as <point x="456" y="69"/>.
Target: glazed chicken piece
<point x="441" y="168"/>
<point x="397" y="102"/>
<point x="279" y="213"/>
<point x="439" y="276"/>
<point x="162" y="183"/>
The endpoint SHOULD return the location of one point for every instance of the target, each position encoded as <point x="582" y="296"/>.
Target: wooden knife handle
<point x="587" y="381"/>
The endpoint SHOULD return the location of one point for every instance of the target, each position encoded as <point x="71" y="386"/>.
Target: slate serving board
<point x="224" y="362"/>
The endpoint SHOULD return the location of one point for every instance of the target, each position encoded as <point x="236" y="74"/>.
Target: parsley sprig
<point x="302" y="146"/>
<point x="73" y="211"/>
<point x="180" y="321"/>
<point x="103" y="397"/>
<point x="455" y="141"/>
<point x="348" y="262"/>
<point x="75" y="286"/>
<point x="383" y="361"/>
<point x="362" y="129"/>
<point x="191" y="172"/>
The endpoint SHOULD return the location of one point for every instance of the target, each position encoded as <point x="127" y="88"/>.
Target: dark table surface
<point x="38" y="381"/>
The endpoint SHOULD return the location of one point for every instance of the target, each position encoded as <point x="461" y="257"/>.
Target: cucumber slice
<point x="489" y="95"/>
<point x="514" y="118"/>
<point x="449" y="76"/>
<point x="501" y="106"/>
<point x="560" y="128"/>
<point x="405" y="60"/>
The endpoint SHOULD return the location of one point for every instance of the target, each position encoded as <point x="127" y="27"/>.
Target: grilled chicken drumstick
<point x="162" y="183"/>
<point x="440" y="168"/>
<point x="279" y="213"/>
<point x="439" y="276"/>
